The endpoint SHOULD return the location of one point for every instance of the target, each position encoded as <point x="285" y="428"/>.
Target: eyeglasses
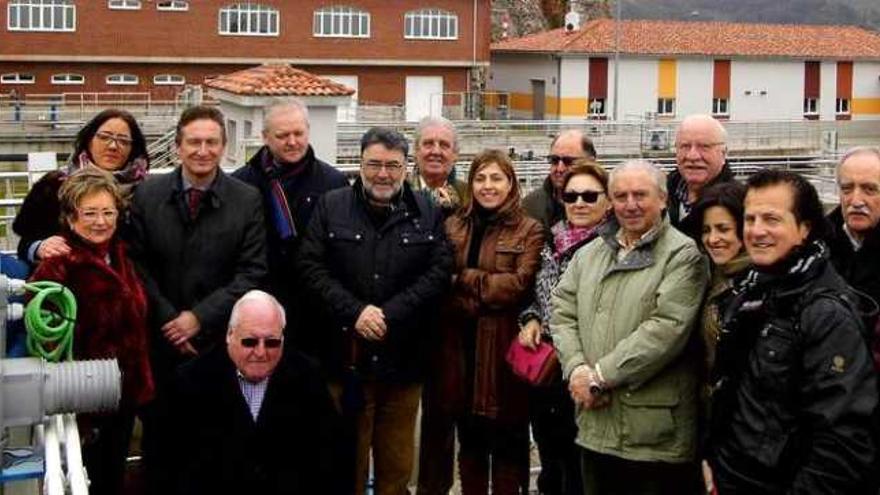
<point x="566" y="160"/>
<point x="106" y="138"/>
<point x="375" y="166"/>
<point x="92" y="216"/>
<point x="701" y="147"/>
<point x="589" y="197"/>
<point x="268" y="342"/>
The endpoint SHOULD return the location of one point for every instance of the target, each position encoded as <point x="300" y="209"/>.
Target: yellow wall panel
<point x="865" y="105"/>
<point x="521" y="101"/>
<point x="574" y="106"/>
<point x="666" y="73"/>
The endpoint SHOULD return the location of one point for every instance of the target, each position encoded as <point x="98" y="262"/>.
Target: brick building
<point x="404" y="52"/>
<point x="669" y="69"/>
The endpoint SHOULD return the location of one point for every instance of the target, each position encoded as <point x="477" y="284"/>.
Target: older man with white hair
<point x="251" y="418"/>
<point x="701" y="159"/>
<point x="622" y="315"/>
<point x="436" y="150"/>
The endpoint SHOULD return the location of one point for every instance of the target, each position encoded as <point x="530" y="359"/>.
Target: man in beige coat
<point x="621" y="321"/>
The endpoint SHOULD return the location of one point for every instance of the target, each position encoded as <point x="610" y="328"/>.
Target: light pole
<point x="617" y="21"/>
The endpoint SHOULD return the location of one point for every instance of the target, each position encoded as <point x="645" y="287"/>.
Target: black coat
<point x="204" y="265"/>
<point x="302" y="191"/>
<point x="215" y="446"/>
<point x="403" y="267"/>
<point x="861" y="269"/>
<point x="793" y="412"/>
<point x="673" y="205"/>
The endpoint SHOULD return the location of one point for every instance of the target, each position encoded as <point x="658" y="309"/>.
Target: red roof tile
<point x="646" y="37"/>
<point x="277" y="80"/>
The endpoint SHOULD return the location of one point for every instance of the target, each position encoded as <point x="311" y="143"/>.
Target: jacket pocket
<point x="647" y="416"/>
<point x="416" y="239"/>
<point x="774" y="359"/>
<point x="506" y="256"/>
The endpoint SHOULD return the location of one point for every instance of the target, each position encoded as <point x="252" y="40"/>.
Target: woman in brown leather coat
<point x="497" y="253"/>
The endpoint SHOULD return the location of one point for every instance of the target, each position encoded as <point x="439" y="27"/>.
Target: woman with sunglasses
<point x="111" y="141"/>
<point x="112" y="314"/>
<point x="551" y="409"/>
<point x="497" y="250"/>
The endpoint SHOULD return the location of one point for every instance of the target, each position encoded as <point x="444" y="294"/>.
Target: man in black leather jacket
<point x="794" y="387"/>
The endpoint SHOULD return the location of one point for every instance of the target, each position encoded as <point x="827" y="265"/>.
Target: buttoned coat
<point x="489" y="297"/>
<point x="202" y="265"/>
<point x="634" y="317"/>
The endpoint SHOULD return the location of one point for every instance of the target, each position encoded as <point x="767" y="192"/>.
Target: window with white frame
<point x="68" y="79"/>
<point x="17" y="78"/>
<point x="430" y="24"/>
<point x="124" y="4"/>
<point x="811" y="106"/>
<point x="41" y="15"/>
<point x="177" y="5"/>
<point x="122" y="79"/>
<point x="596" y="108"/>
<point x="169" y="80"/>
<point x="249" y="19"/>
<point x="719" y="106"/>
<point x="341" y="21"/>
<point x="665" y="106"/>
<point x="842" y="106"/>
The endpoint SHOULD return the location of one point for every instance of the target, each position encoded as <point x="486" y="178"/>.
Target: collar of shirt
<point x="626" y="248"/>
<point x="253" y="393"/>
<point x="187" y="186"/>
<point x="855" y="241"/>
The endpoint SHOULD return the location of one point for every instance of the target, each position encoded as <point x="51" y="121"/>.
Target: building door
<point x="347" y="113"/>
<point x="424" y="96"/>
<point x="538" y="97"/>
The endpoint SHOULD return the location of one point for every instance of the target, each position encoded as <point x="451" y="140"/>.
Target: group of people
<point x="279" y="330"/>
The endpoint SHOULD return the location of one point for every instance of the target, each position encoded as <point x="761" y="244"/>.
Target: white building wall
<point x="514" y="73"/>
<point x="574" y="81"/>
<point x="827" y="90"/>
<point x="866" y="89"/>
<point x="782" y="84"/>
<point x="694" y="87"/>
<point x="638" y="87"/>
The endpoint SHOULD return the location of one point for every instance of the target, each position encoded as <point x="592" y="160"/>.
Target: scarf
<point x="279" y="207"/>
<point x="567" y="237"/>
<point x="793" y="268"/>
<point x="127" y="177"/>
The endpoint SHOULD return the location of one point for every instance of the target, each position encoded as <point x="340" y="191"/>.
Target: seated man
<point x="247" y="420"/>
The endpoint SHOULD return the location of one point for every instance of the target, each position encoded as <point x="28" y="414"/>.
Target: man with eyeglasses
<point x="701" y="160"/>
<point x="375" y="257"/>
<point x="290" y="179"/>
<point x="545" y="203"/>
<point x="199" y="239"/>
<point x="250" y="418"/>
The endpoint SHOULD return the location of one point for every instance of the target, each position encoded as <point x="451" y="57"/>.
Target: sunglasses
<point x="566" y="160"/>
<point x="588" y="196"/>
<point x="268" y="342"/>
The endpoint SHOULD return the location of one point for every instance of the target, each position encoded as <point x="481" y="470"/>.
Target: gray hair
<point x="857" y="150"/>
<point x="436" y="121"/>
<point x="704" y="118"/>
<point x="656" y="174"/>
<point x="255" y="295"/>
<point x="285" y="104"/>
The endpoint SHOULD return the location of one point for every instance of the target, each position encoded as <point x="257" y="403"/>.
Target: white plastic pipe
<point x="54" y="476"/>
<point x="76" y="471"/>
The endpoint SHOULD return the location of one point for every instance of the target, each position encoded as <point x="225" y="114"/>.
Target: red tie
<point x="193" y="200"/>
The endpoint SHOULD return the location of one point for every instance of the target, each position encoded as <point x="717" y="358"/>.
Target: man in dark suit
<point x="199" y="240"/>
<point x="251" y="418"/>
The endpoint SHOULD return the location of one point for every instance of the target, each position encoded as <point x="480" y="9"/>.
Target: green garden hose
<point x="50" y="318"/>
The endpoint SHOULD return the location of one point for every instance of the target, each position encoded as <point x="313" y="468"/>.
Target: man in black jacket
<point x="794" y="387"/>
<point x="249" y="418"/>
<point x="199" y="240"/>
<point x="701" y="159"/>
<point x="375" y="256"/>
<point x="290" y="179"/>
<point x="855" y="236"/>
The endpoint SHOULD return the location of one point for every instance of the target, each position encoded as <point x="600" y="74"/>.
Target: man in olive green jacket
<point x="621" y="322"/>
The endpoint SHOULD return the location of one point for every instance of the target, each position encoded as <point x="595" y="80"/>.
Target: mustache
<point x="863" y="210"/>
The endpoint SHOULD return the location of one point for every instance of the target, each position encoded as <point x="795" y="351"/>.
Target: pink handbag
<point x="537" y="367"/>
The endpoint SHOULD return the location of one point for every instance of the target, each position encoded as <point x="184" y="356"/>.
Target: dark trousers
<point x="611" y="475"/>
<point x="551" y="412"/>
<point x="105" y="442"/>
<point x="489" y="446"/>
<point x="436" y="447"/>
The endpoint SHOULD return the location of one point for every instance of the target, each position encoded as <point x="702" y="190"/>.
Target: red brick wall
<point x="194" y="33"/>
